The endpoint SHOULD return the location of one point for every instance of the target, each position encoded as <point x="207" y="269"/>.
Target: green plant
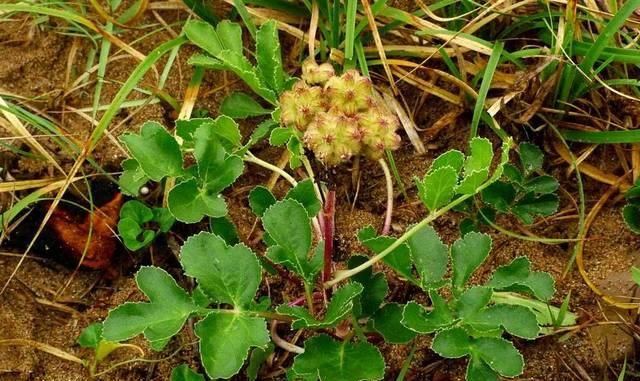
<point x="231" y="321"/>
<point x="134" y="218"/>
<point x="156" y="155"/>
<point x="474" y="318"/>
<point x="631" y="211"/>
<point x="522" y="191"/>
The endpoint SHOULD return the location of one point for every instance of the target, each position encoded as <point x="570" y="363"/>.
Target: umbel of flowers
<point x="338" y="115"/>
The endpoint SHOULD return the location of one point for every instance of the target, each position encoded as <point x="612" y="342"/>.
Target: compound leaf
<point x="287" y="224"/>
<point x="330" y="360"/>
<point x="452" y="343"/>
<point x="261" y="199"/>
<point x="269" y="57"/>
<point x="227" y="274"/>
<point x="399" y="259"/>
<point x="160" y="319"/>
<point x="225" y="340"/>
<point x="305" y="194"/>
<point x="189" y="204"/>
<point x="155" y="150"/>
<point x="430" y="257"/>
<point x="478" y="370"/>
<point x="500" y="355"/>
<point x="216" y="169"/>
<point x="437" y="187"/>
<point x="418" y="319"/>
<point x="531" y="205"/>
<point x="467" y="254"/>
<point x="375" y="287"/>
<point x="531" y="158"/>
<point x="239" y="105"/>
<point x="451" y="158"/>
<point x="517" y="276"/>
<point x="132" y="178"/>
<point x="387" y="322"/>
<point x="341" y="304"/>
<point x="184" y="373"/>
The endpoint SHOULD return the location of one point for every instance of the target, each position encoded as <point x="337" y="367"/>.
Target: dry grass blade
<point x="426" y="86"/>
<point x="15" y="127"/>
<point x="407" y="123"/>
<point x="44" y="348"/>
<point x="379" y="45"/>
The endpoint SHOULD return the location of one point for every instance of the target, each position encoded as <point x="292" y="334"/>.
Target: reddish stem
<point x="328" y="229"/>
<point x="317" y="296"/>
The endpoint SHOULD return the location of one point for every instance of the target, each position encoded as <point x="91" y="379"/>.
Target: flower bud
<point x="333" y="137"/>
<point x="315" y="74"/>
<point x="350" y="93"/>
<point x="300" y="105"/>
<point x="378" y="131"/>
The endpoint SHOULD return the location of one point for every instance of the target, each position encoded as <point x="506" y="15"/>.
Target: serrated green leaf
<point x="269" y="57"/>
<point x="163" y="218"/>
<point x="240" y="106"/>
<point x="500" y="355"/>
<point x="517" y="276"/>
<point x="473" y="300"/>
<point x="499" y="195"/>
<point x="387" y="322"/>
<point x="451" y="158"/>
<point x="517" y="320"/>
<point x="91" y="336"/>
<point x="257" y="358"/>
<point x="437" y="187"/>
<point x="305" y="194"/>
<point x="280" y="136"/>
<point x="541" y="185"/>
<point x="264" y="129"/>
<point x="132" y="178"/>
<point x="239" y="65"/>
<point x="225" y="340"/>
<point x="430" y="257"/>
<point x="155" y="150"/>
<point x="330" y="360"/>
<point x="467" y="254"/>
<point x="339" y="307"/>
<point x="216" y="169"/>
<point x="184" y="373"/>
<point x="531" y="158"/>
<point x="478" y="370"/>
<point x="399" y="259"/>
<point x="375" y="287"/>
<point x="294" y="146"/>
<point x="160" y="319"/>
<point x="204" y="36"/>
<point x="452" y="343"/>
<point x="513" y="174"/>
<point x="224" y="228"/>
<point x="287" y="224"/>
<point x="189" y="204"/>
<point x="472" y="181"/>
<point x="480" y="157"/>
<point x="631" y="216"/>
<point x="418" y="319"/>
<point x="133" y="215"/>
<point x="230" y="36"/>
<point x="134" y="237"/>
<point x="261" y="199"/>
<point x="227" y="274"/>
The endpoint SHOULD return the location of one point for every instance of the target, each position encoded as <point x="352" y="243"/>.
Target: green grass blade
<point x="601" y="137"/>
<point x="479" y="108"/>
<point x="350" y="23"/>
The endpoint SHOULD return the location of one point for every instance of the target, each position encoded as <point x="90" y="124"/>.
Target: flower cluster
<point x="338" y="115"/>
